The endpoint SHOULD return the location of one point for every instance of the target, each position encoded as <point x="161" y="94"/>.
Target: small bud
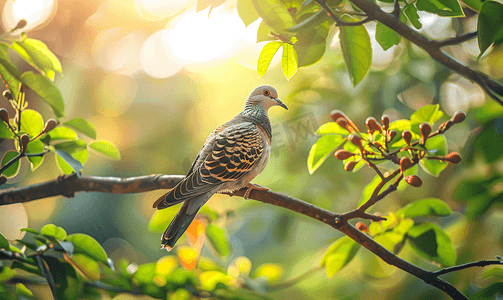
<point x="392" y="135"/>
<point x="337" y="114"/>
<point x="7" y="95"/>
<point x="413" y="180"/>
<point x="4" y="115"/>
<point x="385" y="122"/>
<point x="407" y="136"/>
<point x="3" y="179"/>
<point x="377" y="214"/>
<point x="362" y="227"/>
<point x="21" y="24"/>
<point x="372" y="125"/>
<point x="350" y="165"/>
<point x="425" y="130"/>
<point x="25" y="139"/>
<point x="343" y="154"/>
<point x="378" y="144"/>
<point x="446" y="125"/>
<point x="453" y="158"/>
<point x="343" y="123"/>
<point x="458" y="117"/>
<point x="405" y="163"/>
<point x="49" y="125"/>
<point x="356" y="140"/>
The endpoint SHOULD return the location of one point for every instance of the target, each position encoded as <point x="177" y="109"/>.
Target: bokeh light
<point x="13" y="218"/>
<point x="154" y="10"/>
<point x="34" y="12"/>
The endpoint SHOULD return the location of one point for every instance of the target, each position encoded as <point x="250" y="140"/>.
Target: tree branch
<point x="374" y="12"/>
<point x="456" y="40"/>
<point x="69" y="185"/>
<point x="481" y="263"/>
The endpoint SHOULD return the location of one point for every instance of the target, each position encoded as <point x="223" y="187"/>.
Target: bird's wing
<point x="233" y="153"/>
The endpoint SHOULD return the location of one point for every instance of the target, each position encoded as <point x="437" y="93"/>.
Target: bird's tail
<point x="182" y="220"/>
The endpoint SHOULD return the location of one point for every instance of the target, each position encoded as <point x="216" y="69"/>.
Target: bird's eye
<point x="267" y="93"/>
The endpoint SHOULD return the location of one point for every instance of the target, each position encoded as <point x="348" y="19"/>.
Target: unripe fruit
<point x="372" y="125"/>
<point x="425" y="130"/>
<point x="3" y="179"/>
<point x="25" y="139"/>
<point x="385" y="122"/>
<point x="458" y="117"/>
<point x="362" y="227"/>
<point x="4" y="115"/>
<point x="50" y="125"/>
<point x="453" y="158"/>
<point x="405" y="163"/>
<point x="407" y="136"/>
<point x="413" y="180"/>
<point x="350" y="165"/>
<point x="343" y="154"/>
<point x="356" y="140"/>
<point x="392" y="135"/>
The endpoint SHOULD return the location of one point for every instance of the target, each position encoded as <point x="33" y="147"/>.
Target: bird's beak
<point x="280" y="103"/>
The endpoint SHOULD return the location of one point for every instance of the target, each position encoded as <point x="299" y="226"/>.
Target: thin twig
<point x="481" y="263"/>
<point x="295" y="280"/>
<point x="456" y="40"/>
<point x="339" y="22"/>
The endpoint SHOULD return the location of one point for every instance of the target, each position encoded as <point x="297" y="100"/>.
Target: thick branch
<point x="69" y="185"/>
<point x="374" y="12"/>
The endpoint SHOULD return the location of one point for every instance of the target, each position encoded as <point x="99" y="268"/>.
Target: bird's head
<point x="266" y="96"/>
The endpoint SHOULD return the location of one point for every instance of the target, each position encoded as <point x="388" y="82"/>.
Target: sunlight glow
<point x="35" y="12"/>
<point x="157" y="60"/>
<point x="154" y="10"/>
<point x="197" y="37"/>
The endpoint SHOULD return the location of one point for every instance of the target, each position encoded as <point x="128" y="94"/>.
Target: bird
<point x="231" y="157"/>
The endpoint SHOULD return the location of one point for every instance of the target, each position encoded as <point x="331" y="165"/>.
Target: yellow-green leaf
<point x="106" y="148"/>
<point x="265" y="57"/>
<point x="289" y="62"/>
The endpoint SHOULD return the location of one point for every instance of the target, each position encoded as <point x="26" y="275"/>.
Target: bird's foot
<point x="253" y="186"/>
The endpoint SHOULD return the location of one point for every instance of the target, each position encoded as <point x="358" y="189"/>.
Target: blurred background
<point x="155" y="78"/>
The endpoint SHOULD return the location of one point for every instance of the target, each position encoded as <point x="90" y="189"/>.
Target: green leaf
<point x="273" y="272"/>
<point x="84" y="244"/>
<point x="431" y="242"/>
<point x="311" y="45"/>
<point x="22" y="290"/>
<point x="83" y="126"/>
<point x="475" y="5"/>
<point x="332" y="128"/>
<point x="47" y="274"/>
<point x="265" y="57"/>
<point x="66" y="160"/>
<point x="434" y="166"/>
<point x="321" y="149"/>
<point x="490" y="25"/>
<point x="46" y="90"/>
<point x="30" y="230"/>
<point x="410" y="11"/>
<point x="247" y="12"/>
<point x="31" y="122"/>
<point x="9" y="73"/>
<point x="4" y="244"/>
<point x="310" y="22"/>
<point x="263" y="33"/>
<point x="71" y="146"/>
<point x="443" y="8"/>
<point x="369" y="189"/>
<point x="28" y="245"/>
<point x="145" y="273"/>
<point x="5" y="132"/>
<point x="51" y="230"/>
<point x="496" y="272"/>
<point x="210" y="279"/>
<point x="106" y="148"/>
<point x="425" y="207"/>
<point x="35" y="146"/>
<point x="14" y="168"/>
<point x="87" y="265"/>
<point x="386" y="37"/>
<point x="62" y="133"/>
<point x="356" y="49"/>
<point x="289" y="62"/>
<point x="218" y="239"/>
<point x="65" y="278"/>
<point x="161" y="218"/>
<point x="339" y="254"/>
<point x="427" y="113"/>
<point x="37" y="54"/>
<point x="489" y="143"/>
<point x="275" y="15"/>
